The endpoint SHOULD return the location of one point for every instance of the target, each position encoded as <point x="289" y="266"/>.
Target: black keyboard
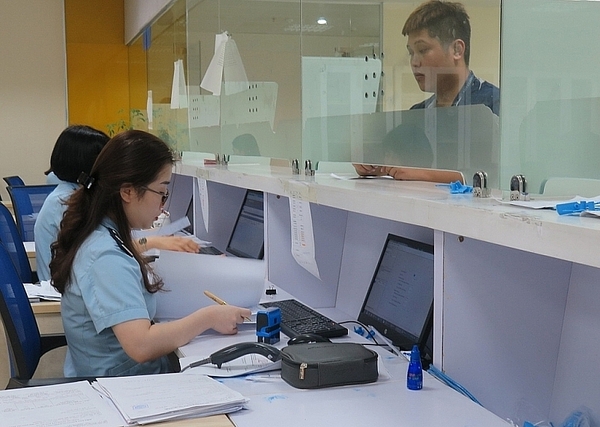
<point x="210" y="250"/>
<point x="297" y="319"/>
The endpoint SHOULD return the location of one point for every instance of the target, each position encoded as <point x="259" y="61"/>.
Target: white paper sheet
<point x="238" y="281"/>
<point x="179" y="98"/>
<point x="226" y="65"/>
<point x="43" y="290"/>
<point x="150" y="398"/>
<point x="303" y="240"/>
<point x="65" y="405"/>
<point x="149" y="109"/>
<point x="202" y="187"/>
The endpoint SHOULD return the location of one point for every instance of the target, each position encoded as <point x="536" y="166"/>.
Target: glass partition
<point x="327" y="81"/>
<point x="244" y="77"/>
<point x="551" y="93"/>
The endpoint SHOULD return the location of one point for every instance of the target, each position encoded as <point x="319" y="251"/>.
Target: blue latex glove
<point x="457" y="187"/>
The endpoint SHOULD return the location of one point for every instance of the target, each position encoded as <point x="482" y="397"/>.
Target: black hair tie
<point x="85" y="180"/>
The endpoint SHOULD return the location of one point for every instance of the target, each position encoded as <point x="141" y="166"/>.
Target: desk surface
<point x="214" y="421"/>
<point x="46" y="307"/>
<point x="386" y="402"/>
<point x="30" y="249"/>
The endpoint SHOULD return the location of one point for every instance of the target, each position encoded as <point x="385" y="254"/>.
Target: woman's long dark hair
<point x="130" y="158"/>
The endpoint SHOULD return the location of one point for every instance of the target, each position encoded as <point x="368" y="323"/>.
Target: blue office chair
<point x="11" y="238"/>
<point x="25" y="344"/>
<point x="27" y="200"/>
<point x="13" y="180"/>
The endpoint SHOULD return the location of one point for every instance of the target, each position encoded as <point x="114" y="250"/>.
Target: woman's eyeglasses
<point x="164" y="195"/>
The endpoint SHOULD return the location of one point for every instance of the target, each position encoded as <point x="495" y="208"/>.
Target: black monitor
<point x="247" y="237"/>
<point x="189" y="213"/>
<point x="399" y="302"/>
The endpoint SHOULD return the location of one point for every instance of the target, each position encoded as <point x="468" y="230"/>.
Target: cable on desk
<point x="363" y="330"/>
<point x="435" y="372"/>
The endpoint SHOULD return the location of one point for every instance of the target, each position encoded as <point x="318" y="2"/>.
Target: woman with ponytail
<point x="108" y="289"/>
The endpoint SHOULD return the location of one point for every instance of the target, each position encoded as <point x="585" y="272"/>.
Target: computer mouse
<point x="306" y="338"/>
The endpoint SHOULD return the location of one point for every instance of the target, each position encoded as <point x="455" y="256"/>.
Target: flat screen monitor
<point x="190" y="216"/>
<point x="247" y="237"/>
<point x="400" y="298"/>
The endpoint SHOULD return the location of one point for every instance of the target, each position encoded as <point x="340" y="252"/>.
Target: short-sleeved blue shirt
<point x="47" y="225"/>
<point x="106" y="289"/>
<point x="474" y="91"/>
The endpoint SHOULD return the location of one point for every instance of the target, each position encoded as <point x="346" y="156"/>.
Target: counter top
<point x="540" y="231"/>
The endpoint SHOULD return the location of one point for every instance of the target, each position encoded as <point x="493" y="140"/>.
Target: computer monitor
<point x="189" y="213"/>
<point x="400" y="298"/>
<point x="247" y="237"/>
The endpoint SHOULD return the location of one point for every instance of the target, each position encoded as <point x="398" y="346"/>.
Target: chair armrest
<point x="52" y="341"/>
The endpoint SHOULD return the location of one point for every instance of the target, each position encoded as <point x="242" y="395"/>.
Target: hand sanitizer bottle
<point x="414" y="377"/>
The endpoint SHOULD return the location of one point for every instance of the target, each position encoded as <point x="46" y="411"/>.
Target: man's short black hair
<point x="446" y="21"/>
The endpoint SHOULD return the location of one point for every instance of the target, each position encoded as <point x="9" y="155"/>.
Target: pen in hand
<point x="221" y="302"/>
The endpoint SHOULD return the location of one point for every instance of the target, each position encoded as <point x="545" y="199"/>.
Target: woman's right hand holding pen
<point x="225" y="318"/>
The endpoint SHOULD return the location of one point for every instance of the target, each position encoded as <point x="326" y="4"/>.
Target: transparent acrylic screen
<point x="333" y="92"/>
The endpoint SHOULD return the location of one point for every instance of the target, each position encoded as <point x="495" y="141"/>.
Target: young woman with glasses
<point x="108" y="289"/>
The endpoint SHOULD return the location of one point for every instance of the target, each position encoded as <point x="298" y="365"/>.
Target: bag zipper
<point x="303" y="366"/>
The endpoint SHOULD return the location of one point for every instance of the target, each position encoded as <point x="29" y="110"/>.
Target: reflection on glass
<point x="319" y="86"/>
<point x="438" y="128"/>
<point x="550" y="127"/>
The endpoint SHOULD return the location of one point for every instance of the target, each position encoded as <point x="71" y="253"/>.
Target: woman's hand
<point x="172" y="243"/>
<point x="225" y="318"/>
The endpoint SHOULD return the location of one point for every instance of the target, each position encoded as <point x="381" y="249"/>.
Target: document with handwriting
<point x="65" y="405"/>
<point x="149" y="398"/>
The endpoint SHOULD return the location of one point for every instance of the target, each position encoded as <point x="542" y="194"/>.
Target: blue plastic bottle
<point x="414" y="376"/>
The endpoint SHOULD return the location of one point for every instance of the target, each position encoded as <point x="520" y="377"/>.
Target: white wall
<point x="33" y="103"/>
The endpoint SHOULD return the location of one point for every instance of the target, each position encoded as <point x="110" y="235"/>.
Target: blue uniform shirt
<point x="106" y="289"/>
<point x="474" y="91"/>
<point x="47" y="225"/>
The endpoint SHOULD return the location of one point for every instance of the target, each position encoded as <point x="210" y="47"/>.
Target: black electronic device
<point x="307" y="338"/>
<point x="235" y="351"/>
<point x="400" y="298"/>
<point x="297" y="319"/>
<point x="247" y="238"/>
<point x="189" y="213"/>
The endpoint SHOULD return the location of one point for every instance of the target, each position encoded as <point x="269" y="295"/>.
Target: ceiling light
<point x="322" y="21"/>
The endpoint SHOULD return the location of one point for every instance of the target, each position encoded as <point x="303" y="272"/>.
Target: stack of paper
<point x="150" y="398"/>
<point x="43" y="290"/>
<point x="60" y="405"/>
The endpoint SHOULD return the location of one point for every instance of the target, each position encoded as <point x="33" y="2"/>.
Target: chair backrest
<point x="571" y="187"/>
<point x="22" y="333"/>
<point x="13" y="180"/>
<point x="27" y="201"/>
<point x="13" y="243"/>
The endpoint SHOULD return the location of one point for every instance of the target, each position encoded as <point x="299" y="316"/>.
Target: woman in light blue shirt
<point x="108" y="289"/>
<point x="75" y="151"/>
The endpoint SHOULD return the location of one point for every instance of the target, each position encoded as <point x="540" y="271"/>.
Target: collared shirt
<point x="47" y="225"/>
<point x="106" y="289"/>
<point x="474" y="91"/>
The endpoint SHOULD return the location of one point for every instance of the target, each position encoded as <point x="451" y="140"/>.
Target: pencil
<point x="220" y="301"/>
